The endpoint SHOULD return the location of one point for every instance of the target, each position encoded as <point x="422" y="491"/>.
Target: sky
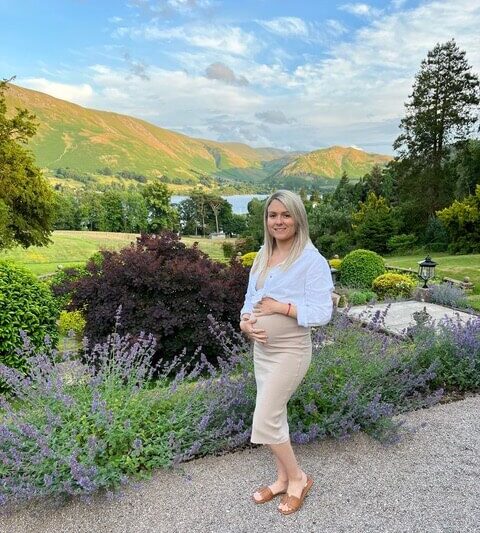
<point x="296" y="75"/>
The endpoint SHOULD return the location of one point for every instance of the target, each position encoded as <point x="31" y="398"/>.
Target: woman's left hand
<point x="267" y="306"/>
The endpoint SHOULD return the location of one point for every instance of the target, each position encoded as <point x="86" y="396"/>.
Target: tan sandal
<point x="295" y="503"/>
<point x="266" y="494"/>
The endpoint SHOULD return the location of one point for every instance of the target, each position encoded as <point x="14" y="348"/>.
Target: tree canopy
<point x="26" y="198"/>
<point x="441" y="113"/>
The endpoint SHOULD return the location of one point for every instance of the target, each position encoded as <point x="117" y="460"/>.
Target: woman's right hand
<point x="248" y="327"/>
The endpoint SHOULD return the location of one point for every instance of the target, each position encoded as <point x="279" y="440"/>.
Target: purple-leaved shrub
<point x="163" y="287"/>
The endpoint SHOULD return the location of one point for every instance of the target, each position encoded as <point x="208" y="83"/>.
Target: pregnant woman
<point x="289" y="290"/>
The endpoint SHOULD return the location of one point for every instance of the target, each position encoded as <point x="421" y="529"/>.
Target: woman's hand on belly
<point x="269" y="306"/>
<point x="256" y="334"/>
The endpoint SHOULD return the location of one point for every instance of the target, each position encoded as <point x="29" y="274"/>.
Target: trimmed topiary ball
<point x="392" y="285"/>
<point x="25" y="304"/>
<point x="360" y="267"/>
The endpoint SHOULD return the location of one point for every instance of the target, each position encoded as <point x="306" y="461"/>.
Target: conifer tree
<point x="441" y="111"/>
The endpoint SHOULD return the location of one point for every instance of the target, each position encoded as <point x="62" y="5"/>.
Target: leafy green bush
<point x="361" y="297"/>
<point x="71" y="321"/>
<point x="338" y="243"/>
<point x="248" y="259"/>
<point x="25" y="304"/>
<point x="245" y="245"/>
<point x="228" y="249"/>
<point x="392" y="285"/>
<point x="401" y="243"/>
<point x="360" y="267"/>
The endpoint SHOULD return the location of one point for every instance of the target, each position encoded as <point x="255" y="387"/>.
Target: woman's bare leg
<point x="297" y="479"/>
<point x="281" y="482"/>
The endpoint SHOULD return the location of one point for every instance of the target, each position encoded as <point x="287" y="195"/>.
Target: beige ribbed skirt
<point x="280" y="365"/>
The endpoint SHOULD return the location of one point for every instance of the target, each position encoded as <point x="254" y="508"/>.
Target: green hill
<point x="86" y="140"/>
<point x="331" y="163"/>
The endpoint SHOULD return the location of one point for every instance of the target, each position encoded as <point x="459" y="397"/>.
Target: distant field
<point x="451" y="266"/>
<point x="70" y="248"/>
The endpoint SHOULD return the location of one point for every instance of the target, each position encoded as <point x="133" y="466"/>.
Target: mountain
<point x="332" y="162"/>
<point x="86" y="140"/>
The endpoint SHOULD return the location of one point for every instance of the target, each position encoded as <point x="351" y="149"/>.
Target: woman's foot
<point x="278" y="487"/>
<point x="295" y="488"/>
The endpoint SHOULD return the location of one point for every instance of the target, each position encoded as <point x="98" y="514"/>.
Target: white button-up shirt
<point x="307" y="284"/>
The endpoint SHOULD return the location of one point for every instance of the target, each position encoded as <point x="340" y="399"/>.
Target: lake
<point x="239" y="202"/>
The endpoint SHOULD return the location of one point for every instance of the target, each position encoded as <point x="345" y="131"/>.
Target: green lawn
<point x="70" y="248"/>
<point x="451" y="266"/>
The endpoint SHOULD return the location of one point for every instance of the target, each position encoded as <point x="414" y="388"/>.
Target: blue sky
<point x="295" y="75"/>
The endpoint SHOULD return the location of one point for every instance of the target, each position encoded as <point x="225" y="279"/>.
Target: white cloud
<point x="352" y="94"/>
<point x="81" y="94"/>
<point x="286" y="26"/>
<point x="220" y="71"/>
<point x="335" y="27"/>
<point x="360" y="9"/>
<point x="228" y="39"/>
<point x="171" y="99"/>
<point x="364" y="84"/>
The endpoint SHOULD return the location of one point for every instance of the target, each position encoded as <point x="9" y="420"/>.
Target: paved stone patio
<point x="400" y="314"/>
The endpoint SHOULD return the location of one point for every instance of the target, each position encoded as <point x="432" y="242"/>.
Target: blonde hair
<point x="294" y="205"/>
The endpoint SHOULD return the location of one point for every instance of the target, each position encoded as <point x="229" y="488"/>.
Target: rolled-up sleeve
<point x="248" y="302"/>
<point x="318" y="306"/>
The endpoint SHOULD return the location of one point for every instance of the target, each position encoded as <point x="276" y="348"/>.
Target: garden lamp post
<point x="426" y="270"/>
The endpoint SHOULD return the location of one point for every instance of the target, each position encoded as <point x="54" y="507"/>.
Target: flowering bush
<point x="248" y="259"/>
<point x="392" y="285"/>
<point x="454" y="348"/>
<point x="446" y="294"/>
<point x="78" y="428"/>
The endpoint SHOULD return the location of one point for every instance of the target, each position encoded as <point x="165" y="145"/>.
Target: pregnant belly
<point x="281" y="329"/>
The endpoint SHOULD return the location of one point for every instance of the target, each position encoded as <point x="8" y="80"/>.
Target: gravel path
<point x="428" y="483"/>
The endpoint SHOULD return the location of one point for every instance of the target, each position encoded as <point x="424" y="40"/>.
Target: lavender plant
<point x="455" y="348"/>
<point x="95" y="424"/>
<point x="357" y="381"/>
<point x="446" y="294"/>
<point x="72" y="428"/>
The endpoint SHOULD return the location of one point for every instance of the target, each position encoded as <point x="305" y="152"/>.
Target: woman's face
<point x="280" y="223"/>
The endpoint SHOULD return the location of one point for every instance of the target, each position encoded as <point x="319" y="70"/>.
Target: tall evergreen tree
<point x="442" y="110"/>
<point x="442" y="107"/>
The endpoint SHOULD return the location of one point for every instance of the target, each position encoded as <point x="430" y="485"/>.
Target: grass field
<point x="450" y="266"/>
<point x="74" y="247"/>
<point x="70" y="248"/>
